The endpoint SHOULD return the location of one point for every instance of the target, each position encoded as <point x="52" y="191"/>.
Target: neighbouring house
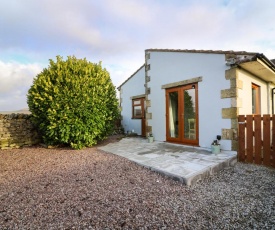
<point x="191" y="96"/>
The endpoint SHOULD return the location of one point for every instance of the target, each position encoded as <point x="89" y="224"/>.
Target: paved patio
<point x="184" y="163"/>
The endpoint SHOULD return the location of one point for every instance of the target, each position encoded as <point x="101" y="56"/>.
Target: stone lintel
<point x="137" y="96"/>
<point x="184" y="82"/>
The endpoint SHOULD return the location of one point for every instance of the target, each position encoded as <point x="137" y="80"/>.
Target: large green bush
<point x="73" y="102"/>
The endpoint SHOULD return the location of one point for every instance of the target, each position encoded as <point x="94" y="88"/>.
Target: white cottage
<point x="191" y="96"/>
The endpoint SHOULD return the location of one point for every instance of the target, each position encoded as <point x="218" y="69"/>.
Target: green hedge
<point x="73" y="102"/>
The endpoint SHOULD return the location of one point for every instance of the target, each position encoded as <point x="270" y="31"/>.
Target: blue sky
<point x="117" y="32"/>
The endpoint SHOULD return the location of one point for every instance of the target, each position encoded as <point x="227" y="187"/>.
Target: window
<point x="256" y="99"/>
<point x="137" y="108"/>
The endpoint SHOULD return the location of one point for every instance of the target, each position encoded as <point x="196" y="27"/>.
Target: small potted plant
<point x="215" y="147"/>
<point x="150" y="138"/>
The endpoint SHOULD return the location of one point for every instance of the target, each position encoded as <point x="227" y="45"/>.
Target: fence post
<point x="249" y="139"/>
<point x="258" y="139"/>
<point x="241" y="137"/>
<point x="266" y="139"/>
<point x="273" y="141"/>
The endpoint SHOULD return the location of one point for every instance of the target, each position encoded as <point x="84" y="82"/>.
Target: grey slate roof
<point x="202" y="51"/>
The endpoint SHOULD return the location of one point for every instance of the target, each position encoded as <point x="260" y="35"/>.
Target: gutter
<point x="272" y="99"/>
<point x="264" y="59"/>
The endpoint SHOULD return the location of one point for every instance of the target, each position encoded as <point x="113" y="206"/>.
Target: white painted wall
<point x="246" y="93"/>
<point x="133" y="87"/>
<point x="170" y="67"/>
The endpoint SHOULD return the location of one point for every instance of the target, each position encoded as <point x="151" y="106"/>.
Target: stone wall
<point x="16" y="130"/>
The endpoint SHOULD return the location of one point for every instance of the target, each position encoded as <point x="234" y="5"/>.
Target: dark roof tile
<point x="202" y="51"/>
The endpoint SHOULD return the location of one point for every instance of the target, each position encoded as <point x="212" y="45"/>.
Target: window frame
<point x="256" y="98"/>
<point x="141" y="104"/>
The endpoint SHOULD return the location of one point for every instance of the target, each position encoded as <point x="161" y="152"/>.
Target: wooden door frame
<point x="181" y="139"/>
<point x="142" y="116"/>
<point x="143" y="119"/>
<point x="143" y="126"/>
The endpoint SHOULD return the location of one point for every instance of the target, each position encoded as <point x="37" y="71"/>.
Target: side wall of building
<point x="169" y="67"/>
<point x="133" y="87"/>
<point x="245" y="93"/>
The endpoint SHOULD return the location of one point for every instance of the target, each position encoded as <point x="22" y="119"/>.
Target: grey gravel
<point x="90" y="189"/>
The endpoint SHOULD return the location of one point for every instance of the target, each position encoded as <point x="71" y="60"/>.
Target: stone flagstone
<point x="184" y="163"/>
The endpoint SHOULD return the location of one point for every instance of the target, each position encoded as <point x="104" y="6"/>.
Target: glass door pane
<point x="189" y="114"/>
<point x="173" y="115"/>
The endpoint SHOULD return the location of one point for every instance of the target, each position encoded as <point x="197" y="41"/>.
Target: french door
<point x="182" y="114"/>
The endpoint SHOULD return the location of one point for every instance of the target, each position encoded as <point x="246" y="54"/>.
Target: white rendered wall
<point x="245" y="94"/>
<point x="133" y="87"/>
<point x="170" y="67"/>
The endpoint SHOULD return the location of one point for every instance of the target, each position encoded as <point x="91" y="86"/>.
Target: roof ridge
<point x="130" y="76"/>
<point x="202" y="51"/>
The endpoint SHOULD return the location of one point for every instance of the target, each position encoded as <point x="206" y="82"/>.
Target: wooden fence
<point x="257" y="139"/>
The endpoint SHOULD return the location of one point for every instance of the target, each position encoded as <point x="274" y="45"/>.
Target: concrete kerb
<point x="211" y="171"/>
<point x="164" y="173"/>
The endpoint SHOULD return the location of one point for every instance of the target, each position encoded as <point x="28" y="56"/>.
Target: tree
<point x="73" y="102"/>
<point x="189" y="112"/>
<point x="188" y="105"/>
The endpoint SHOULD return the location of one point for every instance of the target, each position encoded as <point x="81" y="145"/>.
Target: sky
<point x="117" y="32"/>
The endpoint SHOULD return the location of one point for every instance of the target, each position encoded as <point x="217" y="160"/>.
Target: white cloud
<point x="237" y="25"/>
<point x="15" y="80"/>
<point x="136" y="12"/>
<point x="117" y="32"/>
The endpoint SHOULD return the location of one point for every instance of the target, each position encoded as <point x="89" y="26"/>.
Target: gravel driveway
<point x="90" y="189"/>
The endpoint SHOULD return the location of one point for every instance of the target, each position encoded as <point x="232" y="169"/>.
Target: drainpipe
<point x="272" y="99"/>
<point x="268" y="98"/>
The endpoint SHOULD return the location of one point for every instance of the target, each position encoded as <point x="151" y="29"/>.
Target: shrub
<point x="73" y="102"/>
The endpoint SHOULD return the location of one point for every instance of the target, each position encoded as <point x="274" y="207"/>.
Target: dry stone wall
<point x="17" y="130"/>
